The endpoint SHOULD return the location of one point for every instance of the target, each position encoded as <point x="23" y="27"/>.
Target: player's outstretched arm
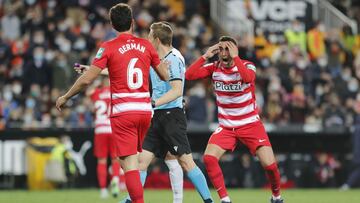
<point x="80" y="68"/>
<point x="162" y="70"/>
<point x="83" y="81"/>
<point x="175" y="92"/>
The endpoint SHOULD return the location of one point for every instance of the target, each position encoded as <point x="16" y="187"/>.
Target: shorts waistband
<point x="238" y="127"/>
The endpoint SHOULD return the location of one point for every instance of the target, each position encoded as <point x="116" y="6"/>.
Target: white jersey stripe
<point x="226" y="77"/>
<point x="236" y="111"/>
<point x="102" y="122"/>
<point x="131" y="106"/>
<point x="234" y="100"/>
<point x="103" y="129"/>
<point x="132" y="95"/>
<point x="237" y="123"/>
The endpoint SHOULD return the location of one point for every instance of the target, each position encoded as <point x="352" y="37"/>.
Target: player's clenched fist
<point x="60" y="102"/>
<point x="211" y="51"/>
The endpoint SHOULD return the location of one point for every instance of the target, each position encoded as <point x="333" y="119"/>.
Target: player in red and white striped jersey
<point x="103" y="148"/>
<point x="234" y="86"/>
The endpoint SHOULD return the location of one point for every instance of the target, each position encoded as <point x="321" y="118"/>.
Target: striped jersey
<point x="234" y="89"/>
<point x="101" y="99"/>
<point x="128" y="59"/>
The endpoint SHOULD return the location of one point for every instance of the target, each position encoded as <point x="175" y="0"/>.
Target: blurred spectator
<point x="196" y="105"/>
<point x="296" y="36"/>
<point x="10" y="24"/>
<point x="334" y="113"/>
<point x="316" y="41"/>
<point x="325" y="170"/>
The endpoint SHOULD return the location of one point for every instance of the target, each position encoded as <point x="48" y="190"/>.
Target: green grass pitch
<point x="190" y="196"/>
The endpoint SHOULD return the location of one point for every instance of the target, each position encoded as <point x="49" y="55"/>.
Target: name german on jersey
<point x="131" y="46"/>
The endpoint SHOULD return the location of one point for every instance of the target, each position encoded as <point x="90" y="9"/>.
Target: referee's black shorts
<point x="167" y="133"/>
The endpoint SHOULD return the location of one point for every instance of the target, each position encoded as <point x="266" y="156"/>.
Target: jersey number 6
<point x="134" y="75"/>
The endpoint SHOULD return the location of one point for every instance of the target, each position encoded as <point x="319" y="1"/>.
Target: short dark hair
<point x="121" y="17"/>
<point x="227" y="39"/>
<point x="163" y="31"/>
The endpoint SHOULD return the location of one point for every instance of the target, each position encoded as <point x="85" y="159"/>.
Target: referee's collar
<point x="167" y="54"/>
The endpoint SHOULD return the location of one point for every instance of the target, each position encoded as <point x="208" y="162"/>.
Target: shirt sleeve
<point x="246" y="69"/>
<point x="102" y="57"/>
<point x="199" y="70"/>
<point x="175" y="70"/>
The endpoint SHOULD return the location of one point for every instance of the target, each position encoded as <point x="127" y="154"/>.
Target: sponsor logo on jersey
<point x="233" y="87"/>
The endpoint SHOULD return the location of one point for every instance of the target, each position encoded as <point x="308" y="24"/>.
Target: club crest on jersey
<point x="100" y="53"/>
<point x="232" y="87"/>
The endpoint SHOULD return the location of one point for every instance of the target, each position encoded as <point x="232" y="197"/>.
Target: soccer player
<point x="234" y="84"/>
<point x="175" y="170"/>
<point x="100" y="97"/>
<point x="167" y="132"/>
<point x="128" y="60"/>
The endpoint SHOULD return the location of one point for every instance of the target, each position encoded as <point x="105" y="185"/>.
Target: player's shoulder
<point x="177" y="55"/>
<point x="142" y="41"/>
<point x="249" y="65"/>
<point x="108" y="42"/>
<point x="246" y="62"/>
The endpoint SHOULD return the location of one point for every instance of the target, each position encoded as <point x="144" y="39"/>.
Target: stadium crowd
<point x="313" y="79"/>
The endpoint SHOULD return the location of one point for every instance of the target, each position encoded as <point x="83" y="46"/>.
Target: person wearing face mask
<point x="316" y="41"/>
<point x="234" y="86"/>
<point x="296" y="36"/>
<point x="37" y="71"/>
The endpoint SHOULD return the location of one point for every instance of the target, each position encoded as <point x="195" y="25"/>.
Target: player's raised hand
<point x="233" y="49"/>
<point x="79" y="68"/>
<point x="212" y="51"/>
<point x="60" y="102"/>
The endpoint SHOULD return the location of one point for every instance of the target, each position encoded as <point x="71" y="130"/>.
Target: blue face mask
<point x="38" y="57"/>
<point x="30" y="103"/>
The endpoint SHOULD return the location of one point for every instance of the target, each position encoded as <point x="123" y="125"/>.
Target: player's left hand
<point x="233" y="49"/>
<point x="60" y="102"/>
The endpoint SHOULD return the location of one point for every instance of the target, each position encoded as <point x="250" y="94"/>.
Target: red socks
<point x="273" y="175"/>
<point x="115" y="165"/>
<point x="102" y="174"/>
<point x="134" y="187"/>
<point x="216" y="176"/>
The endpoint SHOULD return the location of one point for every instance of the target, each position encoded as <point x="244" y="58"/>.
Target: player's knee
<point x="209" y="160"/>
<point x="187" y="164"/>
<point x="143" y="165"/>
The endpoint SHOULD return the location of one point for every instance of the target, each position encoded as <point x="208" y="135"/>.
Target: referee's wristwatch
<point x="153" y="103"/>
